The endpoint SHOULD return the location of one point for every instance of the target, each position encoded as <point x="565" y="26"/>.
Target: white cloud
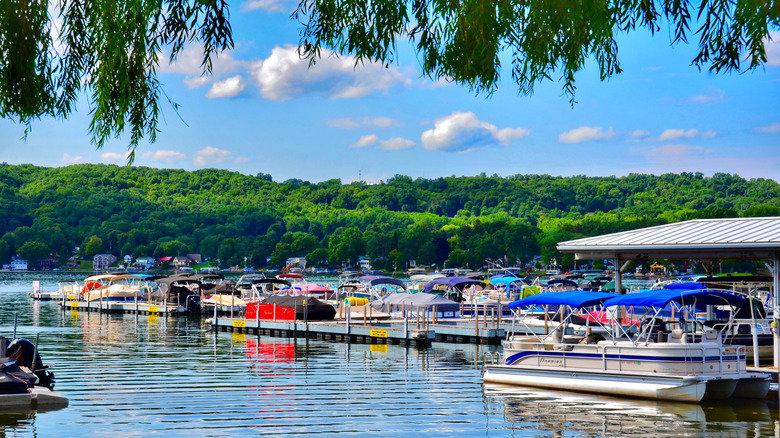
<point x="639" y="133"/>
<point x="230" y="87"/>
<point x="772" y="49"/>
<point x="285" y="6"/>
<point x="197" y="81"/>
<point x="164" y="155"/>
<point x="366" y="140"/>
<point x="114" y="157"/>
<point x="395" y="144"/>
<point x="284" y="75"/>
<point x="71" y="159"/>
<point x="586" y="133"/>
<point x="463" y="132"/>
<point x="350" y="123"/>
<point x="211" y="155"/>
<point x="673" y="134"/>
<point x="773" y="128"/>
<point x="714" y="95"/>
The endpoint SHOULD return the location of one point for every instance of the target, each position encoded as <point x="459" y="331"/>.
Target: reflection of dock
<point x="392" y="331"/>
<point x="123" y="307"/>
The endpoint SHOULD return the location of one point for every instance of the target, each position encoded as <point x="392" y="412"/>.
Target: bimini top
<point x="506" y="281"/>
<point x="700" y="238"/>
<point x="451" y="282"/>
<point x="660" y="298"/>
<point x="572" y="298"/>
<point x="374" y="280"/>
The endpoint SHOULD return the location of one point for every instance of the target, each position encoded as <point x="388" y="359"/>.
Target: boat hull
<point x="657" y="387"/>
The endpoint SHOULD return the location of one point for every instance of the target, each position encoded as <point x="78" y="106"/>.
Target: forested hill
<point x="238" y="219"/>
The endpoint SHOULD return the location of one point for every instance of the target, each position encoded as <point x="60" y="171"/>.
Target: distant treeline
<point x="243" y="220"/>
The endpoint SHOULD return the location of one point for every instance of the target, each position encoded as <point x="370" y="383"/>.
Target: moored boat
<point x="644" y="363"/>
<point x="25" y="382"/>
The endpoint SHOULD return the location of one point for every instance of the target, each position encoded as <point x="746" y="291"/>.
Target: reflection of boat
<point x="25" y="382"/>
<point x="679" y="367"/>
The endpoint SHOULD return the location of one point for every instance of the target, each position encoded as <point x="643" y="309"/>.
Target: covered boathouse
<point x="699" y="239"/>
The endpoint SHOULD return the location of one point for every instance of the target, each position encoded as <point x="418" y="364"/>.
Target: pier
<point x="123" y="307"/>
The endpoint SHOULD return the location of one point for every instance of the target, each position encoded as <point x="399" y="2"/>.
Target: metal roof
<point x="743" y="238"/>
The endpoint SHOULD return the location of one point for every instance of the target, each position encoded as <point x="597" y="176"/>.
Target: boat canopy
<point x="660" y="298"/>
<point x="562" y="281"/>
<point x="407" y="301"/>
<point x="451" y="282"/>
<point x="375" y="280"/>
<point x="506" y="281"/>
<point x="572" y="298"/>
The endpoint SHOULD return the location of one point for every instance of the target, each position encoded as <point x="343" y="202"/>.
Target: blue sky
<point x="264" y="111"/>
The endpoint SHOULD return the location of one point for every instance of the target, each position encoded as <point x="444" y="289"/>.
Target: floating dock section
<point x="410" y="331"/>
<point x="123" y="307"/>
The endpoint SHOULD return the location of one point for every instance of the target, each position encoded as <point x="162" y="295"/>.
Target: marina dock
<point x="392" y="331"/>
<point x="123" y="307"/>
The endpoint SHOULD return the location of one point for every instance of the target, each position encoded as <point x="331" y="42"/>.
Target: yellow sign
<point x="239" y="337"/>
<point x="378" y="333"/>
<point x="71" y="297"/>
<point x="239" y="323"/>
<point x="74" y="304"/>
<point x="154" y="309"/>
<point x="379" y="348"/>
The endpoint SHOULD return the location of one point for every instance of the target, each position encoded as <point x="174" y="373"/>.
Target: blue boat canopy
<point x="450" y="282"/>
<point x="375" y="280"/>
<point x="660" y="298"/>
<point x="506" y="281"/>
<point x="572" y="298"/>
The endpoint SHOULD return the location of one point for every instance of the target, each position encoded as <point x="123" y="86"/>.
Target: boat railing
<point x="692" y="354"/>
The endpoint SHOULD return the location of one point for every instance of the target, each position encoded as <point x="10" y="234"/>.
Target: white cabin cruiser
<point x="662" y="365"/>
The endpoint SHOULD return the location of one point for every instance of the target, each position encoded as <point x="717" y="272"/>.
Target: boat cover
<point x="662" y="297"/>
<point x="374" y="280"/>
<point x="316" y="310"/>
<point x="451" y="282"/>
<point x="685" y="286"/>
<point x="572" y="298"/>
<point x="398" y="302"/>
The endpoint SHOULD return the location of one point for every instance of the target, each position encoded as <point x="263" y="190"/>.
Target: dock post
<point x="406" y="328"/>
<point x="232" y="304"/>
<point x="349" y="317"/>
<point x="216" y="327"/>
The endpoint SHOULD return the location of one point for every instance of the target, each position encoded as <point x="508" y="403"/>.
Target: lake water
<point x="136" y="375"/>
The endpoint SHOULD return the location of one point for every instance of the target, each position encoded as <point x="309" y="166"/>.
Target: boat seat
<point x="677" y="336"/>
<point x="711" y="336"/>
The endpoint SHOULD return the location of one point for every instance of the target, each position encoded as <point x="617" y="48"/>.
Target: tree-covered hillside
<point x="457" y="221"/>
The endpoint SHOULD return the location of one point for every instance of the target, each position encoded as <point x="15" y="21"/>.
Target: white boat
<point x="109" y="287"/>
<point x="66" y="289"/>
<point x="677" y="366"/>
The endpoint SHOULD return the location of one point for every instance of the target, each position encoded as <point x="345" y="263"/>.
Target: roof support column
<point x="776" y="308"/>
<point x="618" y="280"/>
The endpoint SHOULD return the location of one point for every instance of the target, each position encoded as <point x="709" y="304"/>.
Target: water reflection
<point x="570" y="414"/>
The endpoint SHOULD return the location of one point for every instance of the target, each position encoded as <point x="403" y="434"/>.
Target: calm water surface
<point x="135" y="375"/>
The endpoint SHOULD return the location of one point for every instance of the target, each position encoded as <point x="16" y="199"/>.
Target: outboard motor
<point x="193" y="304"/>
<point x="25" y="354"/>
